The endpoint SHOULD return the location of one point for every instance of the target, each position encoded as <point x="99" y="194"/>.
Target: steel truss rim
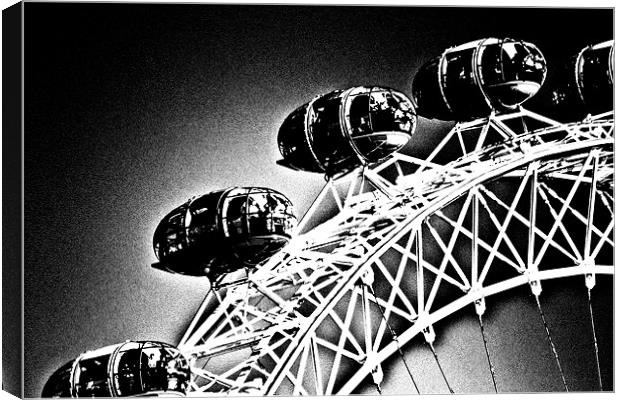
<point x="415" y="222"/>
<point x="580" y="141"/>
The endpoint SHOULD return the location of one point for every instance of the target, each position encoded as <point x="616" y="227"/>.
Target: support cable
<point x="598" y="365"/>
<point x="486" y="350"/>
<point x="555" y="353"/>
<point x="394" y="338"/>
<point x="378" y="387"/>
<point x="430" y="344"/>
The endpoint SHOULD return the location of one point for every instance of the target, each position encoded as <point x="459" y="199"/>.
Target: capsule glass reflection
<point x="343" y="129"/>
<point x="223" y="231"/>
<point x="476" y="78"/>
<point x="128" y="369"/>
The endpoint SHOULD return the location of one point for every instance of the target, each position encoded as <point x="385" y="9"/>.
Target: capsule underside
<point x="223" y="231"/>
<point x="128" y="369"/>
<point x="340" y="130"/>
<point x="471" y="80"/>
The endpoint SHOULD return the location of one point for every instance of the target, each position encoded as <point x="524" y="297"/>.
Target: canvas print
<point x="301" y="200"/>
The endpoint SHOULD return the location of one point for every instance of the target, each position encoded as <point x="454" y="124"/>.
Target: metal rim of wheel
<point x="274" y="317"/>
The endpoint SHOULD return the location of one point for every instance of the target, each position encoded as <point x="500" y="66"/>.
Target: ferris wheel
<point x="393" y="245"/>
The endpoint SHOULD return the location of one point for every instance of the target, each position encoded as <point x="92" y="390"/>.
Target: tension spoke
<point x="445" y="379"/>
<point x="551" y="345"/>
<point x="598" y="365"/>
<point x="486" y="350"/>
<point x="395" y="339"/>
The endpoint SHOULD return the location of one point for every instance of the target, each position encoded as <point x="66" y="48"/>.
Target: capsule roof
<point x="343" y="129"/>
<point x="221" y="231"/>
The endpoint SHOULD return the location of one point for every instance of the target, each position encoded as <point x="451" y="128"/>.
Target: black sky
<point x="130" y="109"/>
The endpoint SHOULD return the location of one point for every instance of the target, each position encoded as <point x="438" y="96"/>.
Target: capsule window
<point x="491" y="65"/>
<point x="282" y="217"/>
<point x="381" y="112"/>
<point x="359" y="115"/>
<point x="520" y="63"/>
<point x="175" y="234"/>
<point x="203" y="217"/>
<point x="595" y="77"/>
<point x="268" y="214"/>
<point x="379" y="121"/>
<point x="427" y="93"/>
<point x="59" y="383"/>
<point x="235" y="220"/>
<point x="92" y="377"/>
<point x="459" y="70"/>
<point x="257" y="213"/>
<point x="127" y="377"/>
<point x="162" y="369"/>
<point x="327" y="138"/>
<point x="141" y="368"/>
<point x="461" y="89"/>
<point x="293" y="144"/>
<point x="384" y="127"/>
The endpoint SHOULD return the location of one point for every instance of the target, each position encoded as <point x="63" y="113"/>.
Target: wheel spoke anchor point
<point x="536" y="287"/>
<point x="588" y="265"/>
<point x="368" y="277"/>
<point x="480" y="306"/>
<point x="377" y="376"/>
<point x="590" y="281"/>
<point x="429" y="334"/>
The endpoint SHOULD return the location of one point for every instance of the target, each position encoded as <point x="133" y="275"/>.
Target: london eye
<point x="358" y="294"/>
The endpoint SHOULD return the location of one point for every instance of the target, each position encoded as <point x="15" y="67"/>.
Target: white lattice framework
<point x="504" y="201"/>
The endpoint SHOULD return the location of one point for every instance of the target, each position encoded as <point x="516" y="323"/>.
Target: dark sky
<point x="132" y="109"/>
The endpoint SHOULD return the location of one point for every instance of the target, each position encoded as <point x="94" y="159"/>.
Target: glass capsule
<point x="223" y="231"/>
<point x="474" y="79"/>
<point x="343" y="129"/>
<point x="128" y="369"/>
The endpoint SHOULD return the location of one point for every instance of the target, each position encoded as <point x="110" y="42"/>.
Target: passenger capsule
<point x="476" y="78"/>
<point x="341" y="130"/>
<point x="586" y="85"/>
<point x="222" y="231"/>
<point x="126" y="369"/>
